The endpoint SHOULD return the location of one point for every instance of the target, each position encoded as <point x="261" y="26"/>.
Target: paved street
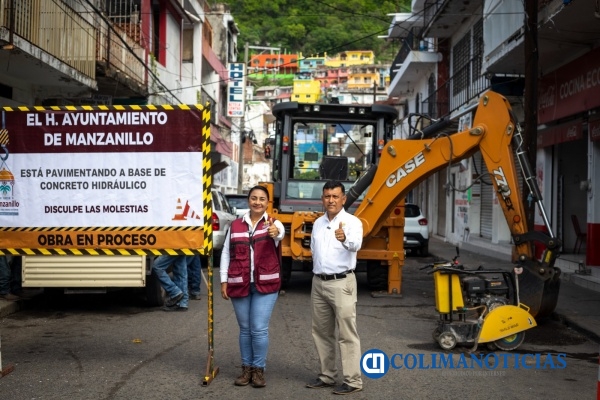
<point x="113" y="347"/>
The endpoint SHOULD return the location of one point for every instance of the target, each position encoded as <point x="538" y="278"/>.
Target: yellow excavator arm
<point x="496" y="134"/>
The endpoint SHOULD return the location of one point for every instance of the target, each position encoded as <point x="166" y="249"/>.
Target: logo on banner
<point x="184" y="213"/>
<point x="8" y="204"/>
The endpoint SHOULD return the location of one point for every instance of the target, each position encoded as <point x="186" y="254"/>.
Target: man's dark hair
<point x="334" y="184"/>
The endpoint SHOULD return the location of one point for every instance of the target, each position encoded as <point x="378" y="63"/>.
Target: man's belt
<point x="325" y="277"/>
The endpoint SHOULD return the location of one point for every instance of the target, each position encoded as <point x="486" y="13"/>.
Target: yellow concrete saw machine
<point x="478" y="306"/>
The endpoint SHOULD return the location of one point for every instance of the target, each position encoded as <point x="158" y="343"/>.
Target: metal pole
<point x="531" y="88"/>
<point x="375" y="93"/>
<point x="211" y="369"/>
<point x="240" y="188"/>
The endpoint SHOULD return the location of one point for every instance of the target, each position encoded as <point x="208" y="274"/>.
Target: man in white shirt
<point x="336" y="238"/>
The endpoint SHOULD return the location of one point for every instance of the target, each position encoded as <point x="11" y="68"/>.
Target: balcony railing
<point x="62" y="32"/>
<point x="412" y="42"/>
<point x="121" y="52"/>
<point x="55" y="28"/>
<point x="407" y="46"/>
<point x="459" y="90"/>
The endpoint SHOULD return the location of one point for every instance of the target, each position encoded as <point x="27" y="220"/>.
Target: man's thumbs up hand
<point x="339" y="233"/>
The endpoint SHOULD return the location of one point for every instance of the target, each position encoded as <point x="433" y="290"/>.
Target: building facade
<point x="451" y="52"/>
<point x="120" y="52"/>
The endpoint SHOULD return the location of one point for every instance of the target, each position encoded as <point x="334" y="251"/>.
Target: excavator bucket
<point x="540" y="294"/>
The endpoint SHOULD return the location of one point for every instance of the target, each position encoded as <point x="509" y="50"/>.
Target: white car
<point x="416" y="230"/>
<point x="222" y="217"/>
<point x="239" y="202"/>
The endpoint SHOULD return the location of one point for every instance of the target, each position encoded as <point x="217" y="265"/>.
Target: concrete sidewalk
<point x="10" y="307"/>
<point x="578" y="303"/>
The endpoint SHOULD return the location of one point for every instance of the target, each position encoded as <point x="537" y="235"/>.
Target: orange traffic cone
<point x="181" y="215"/>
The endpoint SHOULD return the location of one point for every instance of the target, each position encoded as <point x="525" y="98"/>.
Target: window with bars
<point x="477" y="50"/>
<point x="467" y="58"/>
<point x="460" y="63"/>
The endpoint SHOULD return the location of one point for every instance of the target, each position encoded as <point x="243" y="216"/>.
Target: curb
<point x="593" y="336"/>
<point x="11" y="307"/>
<point x="8" y="307"/>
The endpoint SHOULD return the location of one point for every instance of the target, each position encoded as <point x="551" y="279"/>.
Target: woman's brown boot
<point x="258" y="377"/>
<point x="245" y="377"/>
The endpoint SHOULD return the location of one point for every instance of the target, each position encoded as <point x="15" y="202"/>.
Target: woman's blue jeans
<point x="253" y="313"/>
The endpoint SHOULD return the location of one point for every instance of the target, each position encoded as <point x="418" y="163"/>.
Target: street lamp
<point x="249" y="135"/>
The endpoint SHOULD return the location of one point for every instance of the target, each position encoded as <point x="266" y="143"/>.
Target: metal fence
<point x="79" y="39"/>
<point x="55" y="28"/>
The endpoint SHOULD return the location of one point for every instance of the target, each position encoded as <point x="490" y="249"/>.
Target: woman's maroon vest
<point x="267" y="259"/>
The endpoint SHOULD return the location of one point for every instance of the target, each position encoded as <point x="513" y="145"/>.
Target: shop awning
<point x="561" y="133"/>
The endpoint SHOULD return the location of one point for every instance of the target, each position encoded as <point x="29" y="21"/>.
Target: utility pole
<point x="531" y="92"/>
<point x="243" y="122"/>
<point x="240" y="188"/>
<point x="375" y="93"/>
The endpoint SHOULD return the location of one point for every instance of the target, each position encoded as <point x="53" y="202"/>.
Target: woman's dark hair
<point x="258" y="187"/>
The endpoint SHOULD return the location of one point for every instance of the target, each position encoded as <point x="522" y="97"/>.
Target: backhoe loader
<point x="354" y="144"/>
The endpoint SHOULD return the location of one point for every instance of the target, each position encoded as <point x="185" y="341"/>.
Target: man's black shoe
<point x="344" y="388"/>
<point x="318" y="384"/>
<point x="175" y="308"/>
<point x="171" y="301"/>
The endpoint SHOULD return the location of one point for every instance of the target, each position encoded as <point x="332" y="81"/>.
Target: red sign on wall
<point x="559" y="134"/>
<point x="570" y="89"/>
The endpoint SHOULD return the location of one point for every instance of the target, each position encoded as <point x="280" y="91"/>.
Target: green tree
<point x="316" y="27"/>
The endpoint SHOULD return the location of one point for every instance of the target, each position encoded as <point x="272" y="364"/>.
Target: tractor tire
<point x="286" y="271"/>
<point x="377" y="275"/>
<point x="424" y="250"/>
<point x="155" y="295"/>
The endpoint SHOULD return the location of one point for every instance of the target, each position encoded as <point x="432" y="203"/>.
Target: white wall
<point x="169" y="74"/>
<point x="501" y="19"/>
<point x="191" y="71"/>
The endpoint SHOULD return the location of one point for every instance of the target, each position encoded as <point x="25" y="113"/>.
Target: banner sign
<point x="235" y="90"/>
<point x="97" y="179"/>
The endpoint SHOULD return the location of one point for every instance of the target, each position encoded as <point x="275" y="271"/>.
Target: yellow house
<point x="306" y="91"/>
<point x="363" y="77"/>
<point x="351" y="57"/>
